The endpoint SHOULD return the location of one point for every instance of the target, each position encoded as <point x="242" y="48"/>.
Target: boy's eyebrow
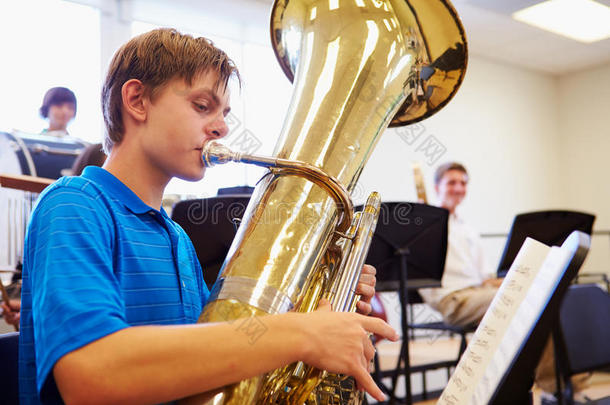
<point x="207" y="92"/>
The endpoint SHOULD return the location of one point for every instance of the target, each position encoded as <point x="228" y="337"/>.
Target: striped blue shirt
<point x="97" y="260"/>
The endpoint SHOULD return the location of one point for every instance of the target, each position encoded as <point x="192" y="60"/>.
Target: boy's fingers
<point x="369" y="351"/>
<point x="379" y="327"/>
<point x="368" y="279"/>
<point x="365" y="290"/>
<point x="364" y="307"/>
<point x="365" y="381"/>
<point x="368" y="269"/>
<point x="324" y="305"/>
<point x="15" y="304"/>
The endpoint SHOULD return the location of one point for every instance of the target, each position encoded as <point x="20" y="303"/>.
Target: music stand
<point x="549" y="227"/>
<point x="209" y="222"/>
<point x="237" y="190"/>
<point x="515" y="386"/>
<point x="408" y="249"/>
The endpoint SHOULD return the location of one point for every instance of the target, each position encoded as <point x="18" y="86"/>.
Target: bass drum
<point x="38" y="155"/>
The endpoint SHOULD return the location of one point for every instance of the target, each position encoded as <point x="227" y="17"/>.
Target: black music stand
<point x="413" y="237"/>
<point x="210" y="224"/>
<point x="549" y="227"/>
<point x="237" y="190"/>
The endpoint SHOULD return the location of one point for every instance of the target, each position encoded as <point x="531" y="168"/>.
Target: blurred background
<point x="530" y="121"/>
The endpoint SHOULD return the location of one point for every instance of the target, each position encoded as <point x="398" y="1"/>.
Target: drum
<point x="38" y="155"/>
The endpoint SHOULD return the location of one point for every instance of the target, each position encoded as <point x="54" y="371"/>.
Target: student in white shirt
<point x="468" y="284"/>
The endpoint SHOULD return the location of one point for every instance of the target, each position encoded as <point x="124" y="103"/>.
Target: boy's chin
<point x="192" y="176"/>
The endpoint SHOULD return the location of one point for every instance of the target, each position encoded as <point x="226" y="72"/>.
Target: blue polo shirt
<point x="97" y="260"/>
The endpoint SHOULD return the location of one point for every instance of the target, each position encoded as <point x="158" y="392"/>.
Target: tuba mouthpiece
<point x="214" y="154"/>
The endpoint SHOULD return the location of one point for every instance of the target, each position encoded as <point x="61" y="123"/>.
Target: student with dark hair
<point x="112" y="286"/>
<point x="59" y="107"/>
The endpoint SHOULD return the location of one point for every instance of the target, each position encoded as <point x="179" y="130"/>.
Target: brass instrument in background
<point x="420" y="187"/>
<point x="357" y="67"/>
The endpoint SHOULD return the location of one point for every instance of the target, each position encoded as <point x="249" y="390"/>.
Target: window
<point x="48" y="43"/>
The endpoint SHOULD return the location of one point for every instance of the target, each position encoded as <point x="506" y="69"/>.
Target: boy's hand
<point x="339" y="342"/>
<point x="492" y="282"/>
<point x="366" y="288"/>
<point x="11" y="312"/>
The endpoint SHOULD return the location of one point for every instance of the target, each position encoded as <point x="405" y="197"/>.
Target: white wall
<point x="502" y="125"/>
<point x="584" y="118"/>
<point x="584" y="128"/>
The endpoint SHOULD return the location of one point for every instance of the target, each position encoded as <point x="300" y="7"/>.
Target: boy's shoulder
<point x="71" y="188"/>
<point x="72" y="196"/>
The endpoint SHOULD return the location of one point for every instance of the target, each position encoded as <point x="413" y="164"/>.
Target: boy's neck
<point x="136" y="173"/>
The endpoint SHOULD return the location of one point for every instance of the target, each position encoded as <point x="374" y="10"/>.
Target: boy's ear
<point x="134" y="101"/>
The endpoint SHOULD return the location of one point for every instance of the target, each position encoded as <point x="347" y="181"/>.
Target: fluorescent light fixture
<point x="583" y="20"/>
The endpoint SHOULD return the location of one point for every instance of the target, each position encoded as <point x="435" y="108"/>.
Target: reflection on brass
<point x="357" y="67"/>
<point x="431" y="26"/>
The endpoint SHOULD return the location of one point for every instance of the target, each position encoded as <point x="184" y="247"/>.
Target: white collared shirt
<point x="465" y="265"/>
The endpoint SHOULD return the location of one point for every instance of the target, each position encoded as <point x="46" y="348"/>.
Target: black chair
<point x="549" y="227"/>
<point x="211" y="225"/>
<point x="409" y="249"/>
<point x="9" y="348"/>
<point x="582" y="340"/>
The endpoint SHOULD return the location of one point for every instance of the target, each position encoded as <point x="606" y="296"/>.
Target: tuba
<point x="357" y="67"/>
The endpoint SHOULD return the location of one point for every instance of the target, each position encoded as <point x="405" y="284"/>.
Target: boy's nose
<point x="219" y="129"/>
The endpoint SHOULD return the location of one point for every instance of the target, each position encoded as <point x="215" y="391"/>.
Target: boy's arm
<point x="153" y="364"/>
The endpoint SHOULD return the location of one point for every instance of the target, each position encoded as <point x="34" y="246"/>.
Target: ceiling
<point x="493" y="34"/>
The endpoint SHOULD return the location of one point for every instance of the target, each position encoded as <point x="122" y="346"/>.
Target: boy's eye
<point x="200" y="107"/>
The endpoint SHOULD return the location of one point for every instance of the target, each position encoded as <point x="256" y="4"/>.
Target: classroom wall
<point x="584" y="130"/>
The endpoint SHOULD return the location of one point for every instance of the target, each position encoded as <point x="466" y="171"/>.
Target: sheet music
<point x="528" y="285"/>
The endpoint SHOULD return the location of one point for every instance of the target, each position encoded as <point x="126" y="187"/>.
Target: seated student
<point x="59" y="107"/>
<point x="112" y="287"/>
<point x="468" y="284"/>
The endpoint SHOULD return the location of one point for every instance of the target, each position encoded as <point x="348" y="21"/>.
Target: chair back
<point x="9" y="370"/>
<point x="209" y="224"/>
<point x="585" y="326"/>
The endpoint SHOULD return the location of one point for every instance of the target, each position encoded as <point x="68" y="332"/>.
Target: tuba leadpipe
<point x="214" y="153"/>
<point x="357" y="66"/>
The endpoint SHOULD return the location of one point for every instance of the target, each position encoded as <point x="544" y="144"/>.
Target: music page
<point x="507" y="323"/>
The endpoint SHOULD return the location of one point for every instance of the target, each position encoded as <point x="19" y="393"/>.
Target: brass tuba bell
<point x="358" y="66"/>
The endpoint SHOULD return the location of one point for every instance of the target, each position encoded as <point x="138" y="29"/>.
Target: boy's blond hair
<point x="155" y="58"/>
